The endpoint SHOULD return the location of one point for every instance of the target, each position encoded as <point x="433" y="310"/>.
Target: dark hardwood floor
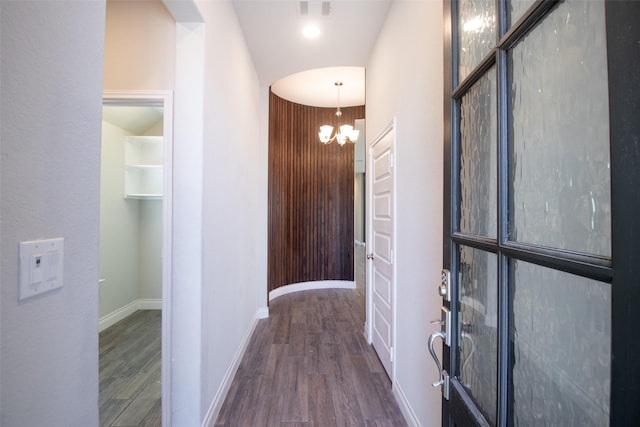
<point x="309" y="364"/>
<point x="130" y="387"/>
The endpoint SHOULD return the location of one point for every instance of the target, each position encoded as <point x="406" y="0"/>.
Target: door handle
<point x="466" y="336"/>
<point x="432" y="338"/>
<point x="445" y="334"/>
<point x="444" y="376"/>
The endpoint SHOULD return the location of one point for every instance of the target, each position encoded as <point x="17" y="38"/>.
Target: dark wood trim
<point x="475" y="75"/>
<point x="504" y="381"/>
<point x="311" y="190"/>
<point x="478" y="242"/>
<point x="446" y="155"/>
<point x="623" y="49"/>
<point x="447" y="247"/>
<point x="531" y="17"/>
<point x="590" y="266"/>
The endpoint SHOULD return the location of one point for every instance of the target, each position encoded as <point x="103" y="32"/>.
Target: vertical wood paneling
<point x="311" y="218"/>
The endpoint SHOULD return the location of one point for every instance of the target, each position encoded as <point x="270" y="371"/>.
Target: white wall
<point x="404" y="79"/>
<point x="150" y="250"/>
<point x="130" y="231"/>
<point x="187" y="226"/>
<point x="140" y="54"/>
<point x="234" y="208"/>
<point x="150" y="238"/>
<point x="51" y="85"/>
<point x="139" y="49"/>
<point x="50" y="187"/>
<point x="119" y="219"/>
<point x="144" y="51"/>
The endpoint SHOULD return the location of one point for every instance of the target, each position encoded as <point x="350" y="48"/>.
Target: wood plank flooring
<point x="130" y="387"/>
<point x="309" y="364"/>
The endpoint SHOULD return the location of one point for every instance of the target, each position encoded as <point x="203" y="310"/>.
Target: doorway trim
<point x="388" y="129"/>
<point x="164" y="99"/>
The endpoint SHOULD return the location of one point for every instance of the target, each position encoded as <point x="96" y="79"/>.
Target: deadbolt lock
<point x="445" y="285"/>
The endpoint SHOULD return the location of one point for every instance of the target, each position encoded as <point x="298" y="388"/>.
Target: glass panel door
<point x="528" y="214"/>
<point x="561" y="340"/>
<point x="559" y="132"/>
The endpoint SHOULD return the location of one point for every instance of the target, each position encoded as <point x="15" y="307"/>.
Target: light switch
<point x="41" y="267"/>
<point x="53" y="264"/>
<point x="36" y="269"/>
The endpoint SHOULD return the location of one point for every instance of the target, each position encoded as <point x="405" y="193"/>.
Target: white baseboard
<point x="263" y="313"/>
<point x="150" y="304"/>
<point x="117" y="315"/>
<point x="405" y="407"/>
<point x="221" y="394"/>
<point x="306" y="286"/>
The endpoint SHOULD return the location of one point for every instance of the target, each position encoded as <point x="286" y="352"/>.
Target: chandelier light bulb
<point x="343" y="134"/>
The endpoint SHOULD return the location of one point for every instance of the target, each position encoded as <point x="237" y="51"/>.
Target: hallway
<point x="309" y="364"/>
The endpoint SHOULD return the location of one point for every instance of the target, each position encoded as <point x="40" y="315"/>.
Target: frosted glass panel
<point x="476" y="33"/>
<point x="517" y="8"/>
<point x="478" y="343"/>
<point x="561" y="337"/>
<point x="478" y="133"/>
<point x="560" y="132"/>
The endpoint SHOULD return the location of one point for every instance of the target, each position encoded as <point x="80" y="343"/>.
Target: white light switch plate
<point x="41" y="267"/>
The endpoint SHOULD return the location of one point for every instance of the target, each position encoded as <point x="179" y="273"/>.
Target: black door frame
<point x="623" y="269"/>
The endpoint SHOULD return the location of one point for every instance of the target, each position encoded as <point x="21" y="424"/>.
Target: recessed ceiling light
<point x="311" y="31"/>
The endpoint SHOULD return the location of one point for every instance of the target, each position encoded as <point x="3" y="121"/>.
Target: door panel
<point x="382" y="249"/>
<point x="528" y="214"/>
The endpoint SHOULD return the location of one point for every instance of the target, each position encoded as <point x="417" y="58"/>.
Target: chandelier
<point x="343" y="134"/>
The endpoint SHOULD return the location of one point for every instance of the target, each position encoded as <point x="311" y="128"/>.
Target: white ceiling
<point x="317" y="87"/>
<point x="273" y="32"/>
<point x="136" y="120"/>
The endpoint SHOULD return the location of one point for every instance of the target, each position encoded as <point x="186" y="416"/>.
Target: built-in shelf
<point x="144" y="160"/>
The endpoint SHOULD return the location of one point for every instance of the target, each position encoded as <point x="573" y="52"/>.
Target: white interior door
<point x="381" y="248"/>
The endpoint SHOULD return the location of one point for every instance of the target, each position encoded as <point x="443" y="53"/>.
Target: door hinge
<point x="391" y="354"/>
<point x="390" y="160"/>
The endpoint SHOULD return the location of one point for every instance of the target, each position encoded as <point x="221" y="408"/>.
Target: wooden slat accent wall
<point x="310" y="195"/>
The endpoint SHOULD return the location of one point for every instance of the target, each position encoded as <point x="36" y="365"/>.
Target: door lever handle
<point x="432" y="338"/>
<point x="444" y="376"/>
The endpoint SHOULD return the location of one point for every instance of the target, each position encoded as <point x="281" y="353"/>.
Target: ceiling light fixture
<point x="344" y="134"/>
